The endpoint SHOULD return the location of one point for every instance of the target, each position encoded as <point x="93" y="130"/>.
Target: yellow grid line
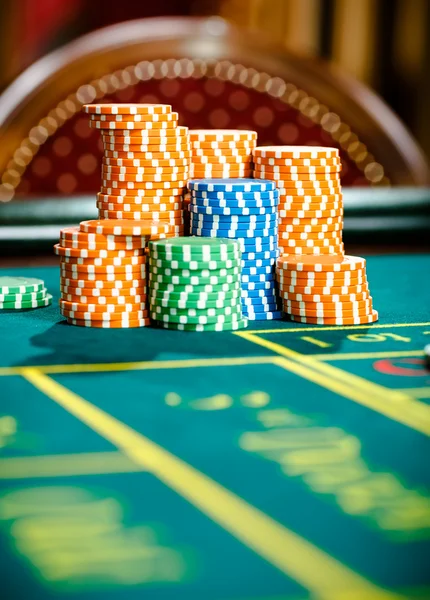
<point x="361" y="355"/>
<point x="334" y="328"/>
<point x="291" y="554"/>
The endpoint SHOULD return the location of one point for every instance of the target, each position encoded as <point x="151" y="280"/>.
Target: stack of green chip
<point x="18" y="293"/>
<point x="194" y="284"/>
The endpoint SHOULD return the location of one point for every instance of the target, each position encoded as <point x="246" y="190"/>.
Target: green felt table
<point x="282" y="462"/>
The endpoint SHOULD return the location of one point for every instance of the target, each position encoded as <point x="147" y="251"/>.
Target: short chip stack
<point x="194" y="284"/>
<point x="221" y="153"/>
<point x="310" y="204"/>
<point x="325" y="290"/>
<point x="145" y="163"/>
<point x="20" y="293"/>
<point x="103" y="272"/>
<point x="245" y="210"/>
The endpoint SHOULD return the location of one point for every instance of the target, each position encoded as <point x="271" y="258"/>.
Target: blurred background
<point x="384" y="43"/>
<point x="345" y="73"/>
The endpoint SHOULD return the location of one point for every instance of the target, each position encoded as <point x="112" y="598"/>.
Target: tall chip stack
<point x="194" y="284"/>
<point x="317" y="282"/>
<point x="145" y="163"/>
<point x="244" y="210"/>
<point x="310" y="203"/>
<point x="103" y="272"/>
<point x="222" y="153"/>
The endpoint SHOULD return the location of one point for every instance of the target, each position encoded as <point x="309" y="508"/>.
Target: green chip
<point x="187" y="273"/>
<point x="20" y="285"/>
<point x="194" y="245"/>
<point x="187" y="307"/>
<point x="27" y="304"/>
<point x="155" y="300"/>
<point x="228" y="326"/>
<point x="188" y="316"/>
<point x="195" y="265"/>
<point x="194" y="280"/>
<point x="197" y="296"/>
<point x="30" y="296"/>
<point x="189" y="288"/>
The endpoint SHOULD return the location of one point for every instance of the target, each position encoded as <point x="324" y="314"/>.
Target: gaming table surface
<point x="281" y="462"/>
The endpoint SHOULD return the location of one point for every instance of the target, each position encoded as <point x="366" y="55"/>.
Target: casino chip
<point x="245" y="210"/>
<point x="325" y="290"/>
<point x="308" y="180"/>
<point x="146" y="155"/>
<point x="21" y="293"/>
<point x="194" y="284"/>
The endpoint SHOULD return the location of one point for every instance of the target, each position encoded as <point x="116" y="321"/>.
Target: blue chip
<point x="252" y="204"/>
<point x="235" y="226"/>
<point x="253" y="270"/>
<point x="264" y="316"/>
<point x="244" y="278"/>
<point x="251" y="196"/>
<point x="251" y="245"/>
<point x="260" y="256"/>
<point x="254" y="294"/>
<point x="231" y="185"/>
<point x="222" y="218"/>
<point x="241" y="211"/>
<point x="258" y="303"/>
<point x="258" y="285"/>
<point x="236" y="234"/>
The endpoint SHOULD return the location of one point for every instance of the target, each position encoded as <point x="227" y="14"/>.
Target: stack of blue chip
<point x="246" y="210"/>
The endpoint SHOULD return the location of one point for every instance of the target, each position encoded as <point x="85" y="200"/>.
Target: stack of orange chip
<point x="310" y="203"/>
<point x="221" y="153"/>
<point x="145" y="163"/>
<point x="103" y="272"/>
<point x="325" y="290"/>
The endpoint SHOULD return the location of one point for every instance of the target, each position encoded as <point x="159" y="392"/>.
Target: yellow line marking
<point x="338" y="328"/>
<point x="292" y="555"/>
<point x="393" y="404"/>
<point x="418" y="392"/>
<point x="311" y="340"/>
<point x="191" y="363"/>
<point x="361" y="355"/>
<point x="66" y="465"/>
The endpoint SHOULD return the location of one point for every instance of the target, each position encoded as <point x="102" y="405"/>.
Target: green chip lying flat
<point x="20" y="285"/>
<point x="27" y="304"/>
<point x="230" y="326"/>
<point x="30" y="296"/>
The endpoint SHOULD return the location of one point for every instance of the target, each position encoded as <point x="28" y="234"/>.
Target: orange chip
<point x="91" y="268"/>
<point x="310" y="199"/>
<point x="320" y="178"/>
<point x="329" y="313"/>
<point x="115" y="261"/>
<point x="119" y="227"/>
<point x="288" y="207"/>
<point x="351" y="320"/>
<point x="304" y="235"/>
<point x="300" y="152"/>
<point x="166" y="174"/>
<point x="327" y="305"/>
<point x="106" y="287"/>
<point x="133" y="173"/>
<point x="223" y="135"/>
<point x="301" y="172"/>
<point x="133" y="125"/>
<point x="110" y="324"/>
<point x="172" y="159"/>
<point x="93" y="254"/>
<point x="173" y="132"/>
<point x="315" y="264"/>
<point x="165" y="209"/>
<point x="82" y="296"/>
<point x="95" y="306"/>
<point x="145" y="155"/>
<point x="135" y="118"/>
<point x="110" y="186"/>
<point x="120" y="315"/>
<point x="315" y="229"/>
<point x="126" y="109"/>
<point x="298" y="162"/>
<point x="137" y="215"/>
<point x="310" y="299"/>
<point x="222" y="145"/>
<point x="128" y="150"/>
<point x="311" y="290"/>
